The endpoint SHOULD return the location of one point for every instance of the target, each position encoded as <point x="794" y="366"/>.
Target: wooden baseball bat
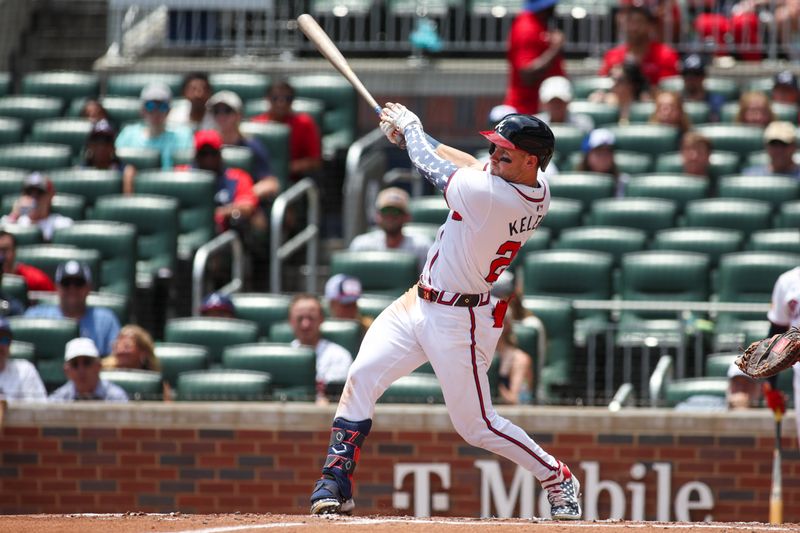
<point x="317" y="35"/>
<point x="776" y="493"/>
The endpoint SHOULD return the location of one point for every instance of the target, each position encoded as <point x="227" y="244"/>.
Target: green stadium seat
<point x="651" y="139"/>
<point x="558" y="317"/>
<point x="778" y="240"/>
<point x="717" y="364"/>
<point x="679" y="188"/>
<point x="383" y="272"/>
<point x="728" y="213"/>
<point x="601" y="113"/>
<point x="69" y="205"/>
<point x="772" y="189"/>
<point x="641" y="112"/>
<point x="247" y="85"/>
<point x="346" y="333"/>
<point x="11" y="180"/>
<point x="632" y="162"/>
<point x="117" y="303"/>
<point x="582" y="274"/>
<point x="132" y="83"/>
<point x="763" y="85"/>
<point x="22" y="350"/>
<point x="122" y="110"/>
<point x="563" y="213"/>
<point x="49" y="337"/>
<point x="90" y="183"/>
<point x="138" y="384"/>
<point x="714" y="242"/>
<point x="788" y="215"/>
<point x="540" y="240"/>
<point x="141" y="158"/>
<point x="722" y="163"/>
<point x="427" y="231"/>
<point x="174" y="358"/>
<point x="682" y="389"/>
<point x="429" y="209"/>
<point x="568" y="140"/>
<point x="47" y="257"/>
<point x="35" y="156"/>
<point x="293" y="370"/>
<point x="194" y="190"/>
<point x="65" y="84"/>
<point x="582" y="186"/>
<point x="24" y="235"/>
<point x="116" y="244"/>
<point x="609" y="239"/>
<point x="310" y="106"/>
<point x="238" y="157"/>
<point x="583" y="87"/>
<point x="738" y="138"/>
<point x="5" y="83"/>
<point x="72" y="132"/>
<point x="30" y="108"/>
<point x="16" y="287"/>
<point x="727" y="87"/>
<point x="786" y="112"/>
<point x="10" y="130"/>
<point x="698" y="112"/>
<point x="224" y="385"/>
<point x="263" y="309"/>
<point x="372" y="305"/>
<point x="275" y="138"/>
<point x="649" y="214"/>
<point x="212" y="332"/>
<point x="339" y="122"/>
<point x="156" y="221"/>
<point x="414" y="388"/>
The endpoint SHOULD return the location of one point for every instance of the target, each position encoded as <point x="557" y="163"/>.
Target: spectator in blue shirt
<point x="780" y="141"/>
<point x="82" y="368"/>
<point x="74" y="282"/>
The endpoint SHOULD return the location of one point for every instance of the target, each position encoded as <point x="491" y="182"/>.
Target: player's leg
<point x="461" y="359"/>
<point x="389" y="350"/>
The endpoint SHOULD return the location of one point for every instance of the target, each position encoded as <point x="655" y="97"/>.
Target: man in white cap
<point x="82" y="368"/>
<point x="555" y="94"/>
<point x="391" y="215"/>
<point x="154" y="132"/>
<point x="780" y="140"/>
<point x="342" y="292"/>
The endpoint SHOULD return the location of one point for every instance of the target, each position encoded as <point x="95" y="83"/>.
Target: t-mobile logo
<point x="423" y="499"/>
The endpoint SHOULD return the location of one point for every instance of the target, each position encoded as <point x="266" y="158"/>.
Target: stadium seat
<point x="238" y="157"/>
<point x="16" y="287"/>
<point x="540" y="240"/>
<point x="580" y="274"/>
<point x="384" y="272"/>
<point x="558" y="318"/>
<point x="722" y="163"/>
<point x="414" y="388"/>
<point x="429" y="209"/>
<point x="738" y="138"/>
<point x="224" y="385"/>
<point x="698" y="112"/>
<point x="682" y="389"/>
<point x="563" y="213"/>
<point x="717" y="364"/>
<point x="194" y="190"/>
<point x="568" y="141"/>
<point x="22" y="350"/>
<point x="72" y="132"/>
<point x="603" y="114"/>
<point x="117" y="303"/>
<point x="649" y="214"/>
<point x="778" y="240"/>
<point x="714" y="242"/>
<point x="11" y="180"/>
<point x="156" y="221"/>
<point x="132" y="83"/>
<point x="47" y="257"/>
<point x="651" y="139"/>
<point x="582" y="186"/>
<point x="788" y="215"/>
<point x="727" y="87"/>
<point x="141" y="158"/>
<point x="30" y="108"/>
<point x="116" y="244"/>
<point x="293" y="370"/>
<point x="49" y="337"/>
<point x="174" y="358"/>
<point x="759" y="84"/>
<point x="138" y="384"/>
<point x="583" y="87"/>
<point x="122" y="110"/>
<point x="275" y="138"/>
<point x="24" y="235"/>
<point x="785" y="112"/>
<point x="341" y="111"/>
<point x="35" y="156"/>
<point x="310" y="106"/>
<point x="90" y="183"/>
<point x="212" y="332"/>
<point x="69" y="205"/>
<point x="679" y="188"/>
<point x="428" y="231"/>
<point x="728" y="213"/>
<point x="346" y="333"/>
<point x="65" y="84"/>
<point x="610" y="239"/>
<point x="372" y="305"/>
<point x="5" y="83"/>
<point x="772" y="189"/>
<point x="10" y="130"/>
<point x="641" y="112"/>
<point x="632" y="162"/>
<point x="262" y="309"/>
<point x="247" y="85"/>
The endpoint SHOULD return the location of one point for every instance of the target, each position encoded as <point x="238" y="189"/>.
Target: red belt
<point x="455" y="299"/>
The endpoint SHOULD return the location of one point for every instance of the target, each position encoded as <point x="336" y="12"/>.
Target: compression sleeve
<point x="423" y="155"/>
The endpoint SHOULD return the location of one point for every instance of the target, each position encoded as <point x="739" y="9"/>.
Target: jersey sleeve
<point x="469" y="193"/>
<point x="779" y="312"/>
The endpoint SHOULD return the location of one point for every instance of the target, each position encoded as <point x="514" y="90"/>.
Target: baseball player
<point x="448" y="318"/>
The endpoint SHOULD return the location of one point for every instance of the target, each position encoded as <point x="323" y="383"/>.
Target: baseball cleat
<point x="327" y="499"/>
<point x="563" y="493"/>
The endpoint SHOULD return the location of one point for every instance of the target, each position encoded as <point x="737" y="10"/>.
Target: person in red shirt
<point x="305" y="143"/>
<point x="34" y="278"/>
<point x="656" y="59"/>
<point x="534" y="53"/>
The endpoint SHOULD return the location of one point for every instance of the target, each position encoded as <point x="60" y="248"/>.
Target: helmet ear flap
<point x="544" y="160"/>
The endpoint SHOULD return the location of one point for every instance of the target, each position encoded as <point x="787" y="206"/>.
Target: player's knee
<point x="474" y="433"/>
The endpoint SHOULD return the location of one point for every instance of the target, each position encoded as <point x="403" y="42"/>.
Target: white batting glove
<point x="394" y="135"/>
<point x="399" y="116"/>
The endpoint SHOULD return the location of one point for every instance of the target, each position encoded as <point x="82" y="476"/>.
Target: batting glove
<point x="399" y="116"/>
<point x="775" y="399"/>
<point x="394" y="135"/>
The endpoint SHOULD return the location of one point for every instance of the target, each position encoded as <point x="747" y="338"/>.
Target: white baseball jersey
<point x="489" y="221"/>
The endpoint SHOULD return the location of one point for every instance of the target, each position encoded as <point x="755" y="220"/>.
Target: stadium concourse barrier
<point x="653" y="464"/>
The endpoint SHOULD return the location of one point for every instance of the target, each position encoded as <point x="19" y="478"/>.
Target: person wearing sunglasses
<point x="154" y="132"/>
<point x="391" y="215"/>
<point x="19" y="379"/>
<point x="34" y="207"/>
<point x="82" y="368"/>
<point x="780" y="142"/>
<point x="74" y="283"/>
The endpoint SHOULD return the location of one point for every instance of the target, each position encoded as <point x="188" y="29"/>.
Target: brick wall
<point x="264" y="458"/>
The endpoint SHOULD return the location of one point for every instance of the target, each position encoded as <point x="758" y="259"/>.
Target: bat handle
<point x="377" y="109"/>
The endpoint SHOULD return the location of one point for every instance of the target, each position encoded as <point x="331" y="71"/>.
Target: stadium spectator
<point x="754" y="109"/>
<point x="19" y="379"/>
<point x="35" y="279"/>
<point x="534" y="54"/>
<point x="515" y="374"/>
<point x="82" y="368"/>
<point x="99" y="151"/>
<point x="391" y="214"/>
<point x="94" y="111"/>
<point x="191" y="111"/>
<point x="693" y="71"/>
<point x="733" y="23"/>
<point x="780" y="140"/>
<point x="154" y="132"/>
<point x="669" y="111"/>
<point x="656" y="59"/>
<point x="342" y="293"/>
<point x="217" y="305"/>
<point x="629" y="86"/>
<point x="598" y="156"/>
<point x="74" y="282"/>
<point x="785" y="89"/>
<point x="226" y="108"/>
<point x="696" y="154"/>
<point x="555" y="94"/>
<point x="743" y="392"/>
<point x="134" y="349"/>
<point x="34" y="207"/>
<point x="305" y="142"/>
<point x="333" y="360"/>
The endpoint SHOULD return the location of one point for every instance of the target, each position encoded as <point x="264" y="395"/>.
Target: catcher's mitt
<point x="767" y="357"/>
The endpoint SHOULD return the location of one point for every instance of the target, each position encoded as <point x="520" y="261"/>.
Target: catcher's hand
<point x="767" y="357"/>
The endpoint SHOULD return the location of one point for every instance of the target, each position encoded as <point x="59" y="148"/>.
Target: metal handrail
<point x="308" y="236"/>
<point x="228" y="239"/>
<point x="623" y="397"/>
<point x="658" y="380"/>
<point x="355" y="179"/>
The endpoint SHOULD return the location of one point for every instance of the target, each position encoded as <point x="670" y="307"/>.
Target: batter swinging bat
<point x="317" y="35"/>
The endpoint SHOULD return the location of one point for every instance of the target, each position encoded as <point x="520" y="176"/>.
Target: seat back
<point x="429" y="209"/>
<point x="728" y="213"/>
<point x="414" y="388"/>
<point x="601" y="113"/>
<point x="341" y="110"/>
<point x="649" y="214"/>
<point x="275" y="137"/>
<point x="788" y="215"/>
<point x="738" y="138"/>
<point x="568" y="141"/>
<point x="683" y="389"/>
<point x="563" y="213"/>
<point x="772" y="189"/>
<point x="15" y="286"/>
<point x="721" y="163"/>
<point x="11" y="130"/>
<point x="750" y="276"/>
<point x="569" y="274"/>
<point x="290" y="367"/>
<point x="49" y="336"/>
<point x="212" y="332"/>
<point x="90" y="183"/>
<point x="679" y="188"/>
<point x="175" y="358"/>
<point x="372" y="305"/>
<point x="35" y="156"/>
<point x="23" y="234"/>
<point x="132" y="83"/>
<point x="714" y="242"/>
<point x="224" y="385"/>
<point x="138" y="384"/>
<point x="344" y="332"/>
<point x="610" y="239"/>
<point x="11" y="180"/>
<point x="72" y="132"/>
<point x="62" y="84"/>
<point x="777" y="240"/>
<point x="262" y="309"/>
<point x="247" y="85"/>
<point x="582" y="186"/>
<point x="30" y="108"/>
<point x="385" y="272"/>
<point x="47" y="257"/>
<point x="558" y="318"/>
<point x="68" y="205"/>
<point x="141" y="158"/>
<point x="664" y="275"/>
<point x="652" y="139"/>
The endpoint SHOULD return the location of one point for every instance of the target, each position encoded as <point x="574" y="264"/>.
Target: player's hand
<point x="399" y="116"/>
<point x="394" y="135"/>
<point x="775" y="399"/>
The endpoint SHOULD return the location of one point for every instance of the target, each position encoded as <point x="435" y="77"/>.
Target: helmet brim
<point x="499" y="140"/>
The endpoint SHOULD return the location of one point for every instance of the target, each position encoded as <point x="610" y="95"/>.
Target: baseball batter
<point x="448" y="317"/>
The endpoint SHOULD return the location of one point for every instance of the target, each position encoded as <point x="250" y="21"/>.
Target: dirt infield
<point x="244" y="523"/>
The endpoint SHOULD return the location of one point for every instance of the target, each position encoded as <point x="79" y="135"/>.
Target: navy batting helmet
<point x="526" y="133"/>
